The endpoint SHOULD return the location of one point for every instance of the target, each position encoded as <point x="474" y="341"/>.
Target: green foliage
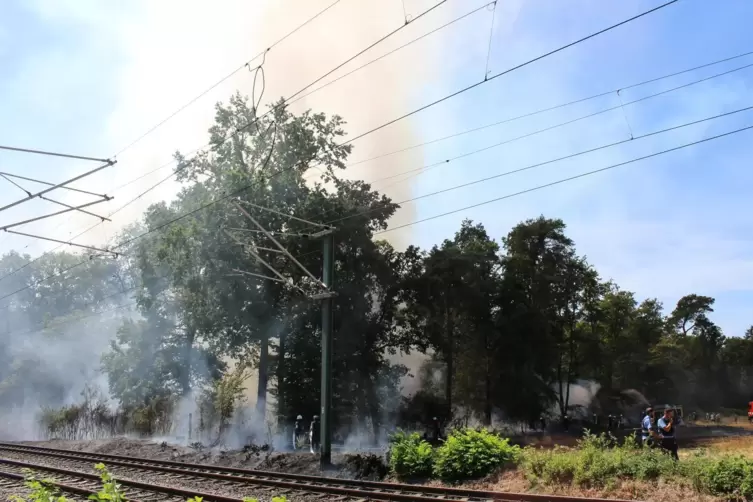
<point x="524" y="307"/>
<point x="218" y="402"/>
<point x="597" y="461"/>
<point x="410" y="456"/>
<point x="110" y="491"/>
<point x="43" y="490"/>
<point x="40" y="490"/>
<point x="469" y="453"/>
<point x="728" y="476"/>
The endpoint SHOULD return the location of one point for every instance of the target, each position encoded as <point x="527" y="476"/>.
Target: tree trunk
<point x="282" y="405"/>
<point x="488" y="396"/>
<point x="261" y="391"/>
<point x="373" y="406"/>
<point x="450" y="361"/>
<point x="186" y="374"/>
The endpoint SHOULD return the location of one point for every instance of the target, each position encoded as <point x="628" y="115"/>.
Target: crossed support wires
<point x="15" y="179"/>
<point x="324" y="292"/>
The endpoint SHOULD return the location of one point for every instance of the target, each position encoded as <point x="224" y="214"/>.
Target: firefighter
<point x="666" y="426"/>
<point x="315" y="432"/>
<point x="298" y="431"/>
<point x="647" y="428"/>
<point x="435" y="431"/>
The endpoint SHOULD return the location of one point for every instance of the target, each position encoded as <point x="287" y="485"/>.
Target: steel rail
<point x="92" y="483"/>
<point x="372" y="490"/>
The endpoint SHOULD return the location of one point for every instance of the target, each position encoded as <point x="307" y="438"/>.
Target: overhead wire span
<point x="260" y="276"/>
<point x="255" y="120"/>
<point x="417" y="110"/>
<point x="291" y="101"/>
<point x="66" y="243"/>
<point x="548" y="109"/>
<point x="72" y="189"/>
<point x="226" y="77"/>
<point x="544" y="163"/>
<point x="280" y="213"/>
<point x="423" y="169"/>
<point x="54" y="154"/>
<point x="59" y="185"/>
<point x="565" y="180"/>
<point x="78" y="319"/>
<point x="50" y="215"/>
<point x="75" y="208"/>
<point x="155" y="127"/>
<point x="281" y="247"/>
<point x="510" y="70"/>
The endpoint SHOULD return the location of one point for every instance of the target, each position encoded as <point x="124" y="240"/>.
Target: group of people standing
<point x="661" y="432"/>
<point x="314" y="433"/>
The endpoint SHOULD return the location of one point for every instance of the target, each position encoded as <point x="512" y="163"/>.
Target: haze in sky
<point x="90" y="77"/>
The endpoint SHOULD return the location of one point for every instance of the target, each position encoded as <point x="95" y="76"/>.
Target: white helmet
<point x="299" y="417"/>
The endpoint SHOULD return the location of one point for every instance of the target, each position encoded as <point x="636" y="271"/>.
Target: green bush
<point x="728" y="476"/>
<point x="410" y="456"/>
<point x="470" y="453"/>
<point x="597" y="461"/>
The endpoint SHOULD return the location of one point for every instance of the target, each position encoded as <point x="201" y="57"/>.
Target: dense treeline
<point x="508" y="323"/>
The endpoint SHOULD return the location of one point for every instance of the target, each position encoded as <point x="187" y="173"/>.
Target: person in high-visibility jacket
<point x="666" y="426"/>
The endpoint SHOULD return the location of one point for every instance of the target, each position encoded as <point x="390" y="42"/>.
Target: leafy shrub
<point x="470" y="453"/>
<point x="410" y="456"/>
<point x="597" y="461"/>
<point x="730" y="476"/>
<point x="40" y="490"/>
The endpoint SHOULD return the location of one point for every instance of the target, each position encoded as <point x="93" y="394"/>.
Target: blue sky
<point x="89" y="77"/>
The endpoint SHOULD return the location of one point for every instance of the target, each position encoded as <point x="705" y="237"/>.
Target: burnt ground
<point x="356" y="465"/>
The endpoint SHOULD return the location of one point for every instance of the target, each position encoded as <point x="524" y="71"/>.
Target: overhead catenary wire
<point x="539" y="187"/>
<point x="250" y="123"/>
<point x="565" y="180"/>
<point x="50" y="215"/>
<point x="281" y="247"/>
<point x="72" y="189"/>
<point x="544" y="163"/>
<point x="183" y="107"/>
<point x="290" y="101"/>
<point x="549" y="109"/>
<point x="54" y="154"/>
<point x="510" y="70"/>
<point x="413" y="112"/>
<point x="227" y="76"/>
<point x="425" y="168"/>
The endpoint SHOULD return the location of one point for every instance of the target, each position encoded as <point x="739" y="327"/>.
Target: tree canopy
<point x="507" y="322"/>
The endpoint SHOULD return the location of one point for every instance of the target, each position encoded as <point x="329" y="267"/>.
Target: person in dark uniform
<point x="297" y="431"/>
<point x="666" y="427"/>
<point x="435" y="432"/>
<point x="610" y="421"/>
<point x="315" y="432"/>
<point x="566" y="423"/>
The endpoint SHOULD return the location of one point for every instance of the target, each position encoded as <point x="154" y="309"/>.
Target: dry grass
<point x="515" y="482"/>
<point x="736" y="445"/>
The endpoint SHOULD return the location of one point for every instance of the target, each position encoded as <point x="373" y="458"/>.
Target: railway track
<point x="226" y="484"/>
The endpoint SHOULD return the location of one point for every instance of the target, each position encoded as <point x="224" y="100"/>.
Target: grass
<point x="600" y="467"/>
